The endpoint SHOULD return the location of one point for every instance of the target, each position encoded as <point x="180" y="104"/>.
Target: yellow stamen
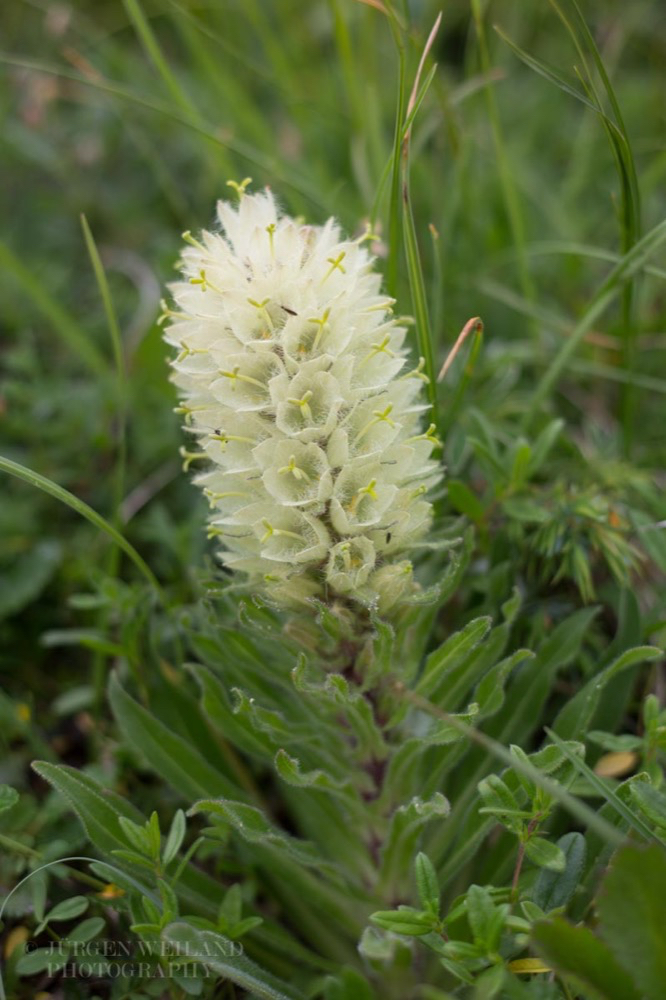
<point x="169" y="314"/>
<point x="303" y="403"/>
<point x="381" y="348"/>
<point x="190" y="456"/>
<point x="224" y="438"/>
<point x="296" y="472"/>
<point x="240" y="188"/>
<point x="270" y="530"/>
<point x="187" y="236"/>
<point x="261" y="308"/>
<point x="368" y="235"/>
<point x="430" y="435"/>
<point x="368" y="490"/>
<point x="336" y="265"/>
<point x="187" y="351"/>
<point x="377" y="417"/>
<point x="213" y="497"/>
<point x="234" y="375"/>
<point x="322" y="323"/>
<point x="385" y="306"/>
<point x="418" y="372"/>
<point x="187" y="411"/>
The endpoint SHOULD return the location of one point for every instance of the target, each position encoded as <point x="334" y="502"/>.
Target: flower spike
<point x="290" y="367"/>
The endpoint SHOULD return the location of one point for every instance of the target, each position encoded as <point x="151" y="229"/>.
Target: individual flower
<point x="296" y="387"/>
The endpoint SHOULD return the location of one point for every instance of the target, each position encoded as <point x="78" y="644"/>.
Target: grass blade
<point x="119" y="361"/>
<point x="272" y="167"/>
<point x="633" y="819"/>
<point x="509" y="193"/>
<point x="609" y="289"/>
<point x="578" y="809"/>
<point x="71" y="333"/>
<point x="414" y="268"/>
<point x="154" y="53"/>
<point x="64" y="496"/>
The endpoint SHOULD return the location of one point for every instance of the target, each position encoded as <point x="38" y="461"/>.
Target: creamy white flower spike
<point x="297" y="388"/>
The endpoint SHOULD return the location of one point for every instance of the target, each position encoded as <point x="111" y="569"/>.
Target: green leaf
<point x="348" y="985"/>
<point x="577" y="714"/>
<point x="555" y="760"/>
<point x="405" y="920"/>
<point x="488" y="984"/>
<point x="237" y="727"/>
<point x="244" y="926"/>
<point x="289" y="769"/>
<point x="87" y="929"/>
<point x="135" y="858"/>
<point x="564" y="642"/>
<point x="464" y="501"/>
<point x="26" y="577"/>
<point x="174" y="759"/>
<point x="443" y="732"/>
<point x="222" y="956"/>
<point x="545" y="854"/>
<point x="576" y="952"/>
<point x="605" y="790"/>
<point x="489" y="693"/>
<point x="543" y="444"/>
<point x="68" y="909"/>
<point x="440" y="663"/>
<point x="358" y="712"/>
<point x="99" y="809"/>
<point x="527" y="783"/>
<point x="250" y="824"/>
<point x="8" y="797"/>
<point x="417" y="290"/>
<point x="511" y="607"/>
<point x="553" y="889"/>
<point x="499" y="800"/>
<point x="632" y="915"/>
<point x="38" y="893"/>
<point x="136" y="834"/>
<point x="480" y="914"/>
<point x="231" y="907"/>
<point x="613" y="743"/>
<point x="39" y="961"/>
<point x="404" y="831"/>
<point x="532" y="685"/>
<point x="520" y="464"/>
<point x="651" y="801"/>
<point x="175" y="838"/>
<point x="154" y="835"/>
<point x="426" y="882"/>
<point x="525" y="510"/>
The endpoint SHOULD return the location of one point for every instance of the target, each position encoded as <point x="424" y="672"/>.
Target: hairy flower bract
<point x="297" y="388"/>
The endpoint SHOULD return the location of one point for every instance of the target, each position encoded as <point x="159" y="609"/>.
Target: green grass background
<point x="537" y="177"/>
<point x="136" y="115"/>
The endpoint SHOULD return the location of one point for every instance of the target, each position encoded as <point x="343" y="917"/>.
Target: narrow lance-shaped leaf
<point x="224" y="958"/>
<point x="169" y="754"/>
<point x="574" y="719"/>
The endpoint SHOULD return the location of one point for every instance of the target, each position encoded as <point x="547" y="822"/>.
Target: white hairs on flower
<point x="296" y="384"/>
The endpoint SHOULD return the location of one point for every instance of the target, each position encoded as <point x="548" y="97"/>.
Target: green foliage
<point x="623" y="958"/>
<point x="331" y="805"/>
